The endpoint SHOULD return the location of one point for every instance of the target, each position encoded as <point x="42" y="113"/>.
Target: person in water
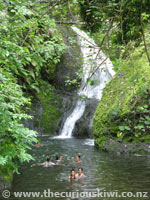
<point x="72" y="174"/>
<point x="80" y="174"/>
<point x="38" y="144"/>
<point x="58" y="160"/>
<point x="77" y="159"/>
<point x="48" y="163"/>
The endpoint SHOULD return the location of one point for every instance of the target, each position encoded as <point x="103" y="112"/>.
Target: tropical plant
<point x="15" y="140"/>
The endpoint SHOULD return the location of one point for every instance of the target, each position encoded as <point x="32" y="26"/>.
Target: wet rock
<point x="50" y="113"/>
<point x="126" y="148"/>
<point x="83" y="127"/>
<point x="70" y="63"/>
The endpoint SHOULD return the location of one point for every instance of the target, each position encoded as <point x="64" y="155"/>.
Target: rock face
<point x="123" y="112"/>
<point x="120" y="147"/>
<point x="83" y="126"/>
<point x="48" y="111"/>
<point x="48" y="114"/>
<point x="71" y="62"/>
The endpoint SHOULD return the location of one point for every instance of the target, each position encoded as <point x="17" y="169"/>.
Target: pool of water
<point x="104" y="172"/>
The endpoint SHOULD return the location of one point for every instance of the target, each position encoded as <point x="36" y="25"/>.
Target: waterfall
<point x="97" y="70"/>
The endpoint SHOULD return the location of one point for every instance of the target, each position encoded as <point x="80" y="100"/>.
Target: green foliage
<point x="123" y="15"/>
<point x="75" y="82"/>
<point x="123" y="112"/>
<point x="31" y="45"/>
<point x="91" y="15"/>
<point x="64" y="10"/>
<point x="15" y="140"/>
<point x="51" y="105"/>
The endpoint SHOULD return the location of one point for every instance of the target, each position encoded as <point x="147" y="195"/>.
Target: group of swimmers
<point x="80" y="175"/>
<point x="58" y="161"/>
<point x="49" y="163"/>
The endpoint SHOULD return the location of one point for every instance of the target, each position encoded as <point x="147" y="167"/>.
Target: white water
<point x="89" y="142"/>
<point x="92" y="59"/>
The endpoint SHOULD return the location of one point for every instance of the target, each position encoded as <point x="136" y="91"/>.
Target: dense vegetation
<point x="31" y="46"/>
<point x="15" y="140"/>
<point x="123" y="112"/>
<point x="121" y="30"/>
<point x="124" y="15"/>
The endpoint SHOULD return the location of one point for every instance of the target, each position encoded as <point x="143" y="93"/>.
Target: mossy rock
<point x="125" y="106"/>
<point x="66" y="76"/>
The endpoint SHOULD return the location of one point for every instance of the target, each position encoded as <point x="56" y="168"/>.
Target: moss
<point x="124" y="108"/>
<point x="142" y="151"/>
<point x="51" y="117"/>
<point x="47" y="109"/>
<point x="51" y="104"/>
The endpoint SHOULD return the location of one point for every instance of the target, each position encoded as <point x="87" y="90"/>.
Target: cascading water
<point x="97" y="70"/>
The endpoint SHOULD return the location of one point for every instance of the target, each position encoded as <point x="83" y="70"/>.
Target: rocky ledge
<point x="126" y="148"/>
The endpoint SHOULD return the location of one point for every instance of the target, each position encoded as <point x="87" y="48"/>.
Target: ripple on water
<point x="103" y="171"/>
<point x="89" y="142"/>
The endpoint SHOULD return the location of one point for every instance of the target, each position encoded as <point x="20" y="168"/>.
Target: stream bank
<point x="117" y="147"/>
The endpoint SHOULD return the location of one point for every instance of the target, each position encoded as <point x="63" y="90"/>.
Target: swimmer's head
<point x="48" y="159"/>
<point x="60" y="158"/>
<point x="80" y="170"/>
<point x="78" y="158"/>
<point x="57" y="157"/>
<point x="72" y="172"/>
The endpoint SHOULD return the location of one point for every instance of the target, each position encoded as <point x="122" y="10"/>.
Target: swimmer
<point x="57" y="157"/>
<point x="72" y="174"/>
<point x="58" y="160"/>
<point x="77" y="159"/>
<point x="80" y="174"/>
<point x="38" y="144"/>
<point x="48" y="163"/>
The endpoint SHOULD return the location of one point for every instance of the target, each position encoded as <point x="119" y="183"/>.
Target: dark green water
<point x="105" y="171"/>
